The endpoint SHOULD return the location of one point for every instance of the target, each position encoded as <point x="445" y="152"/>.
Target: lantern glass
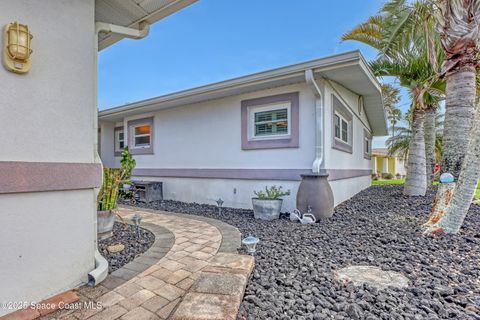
<point x="136" y="219"/>
<point x="251" y="243"/>
<point x="447" y="178"/>
<point x="19" y="39"/>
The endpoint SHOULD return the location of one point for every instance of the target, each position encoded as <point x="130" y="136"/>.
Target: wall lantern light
<point x="17" y="47"/>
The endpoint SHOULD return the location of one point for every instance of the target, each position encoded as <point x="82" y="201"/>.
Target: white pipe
<point x="123" y="31"/>
<point x="100" y="272"/>
<point x="318" y="163"/>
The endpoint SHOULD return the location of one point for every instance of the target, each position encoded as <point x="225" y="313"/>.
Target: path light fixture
<point x="136" y="219"/>
<point x="17" y="47"/>
<point x="219" y="205"/>
<point x="251" y="243"/>
<point x="446" y="178"/>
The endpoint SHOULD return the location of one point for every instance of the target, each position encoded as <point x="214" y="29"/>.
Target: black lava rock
<point x="295" y="264"/>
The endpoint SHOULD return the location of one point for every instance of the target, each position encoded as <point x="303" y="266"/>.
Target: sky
<point x="215" y="40"/>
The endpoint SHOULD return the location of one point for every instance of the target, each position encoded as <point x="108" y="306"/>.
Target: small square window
<point x="141" y="135"/>
<point x="270" y="121"/>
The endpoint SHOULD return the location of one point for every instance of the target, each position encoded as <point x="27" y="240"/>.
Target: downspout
<point x="318" y="163"/>
<point x="314" y="195"/>
<point x="100" y="272"/>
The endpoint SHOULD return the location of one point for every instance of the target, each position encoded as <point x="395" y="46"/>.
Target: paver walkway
<point x="191" y="272"/>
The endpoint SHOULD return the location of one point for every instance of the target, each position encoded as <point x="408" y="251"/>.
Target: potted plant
<point x="398" y="175"/>
<point x="113" y="180"/>
<point x="267" y="204"/>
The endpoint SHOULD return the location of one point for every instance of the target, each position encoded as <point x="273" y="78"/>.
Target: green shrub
<point x="113" y="179"/>
<point x="389" y="176"/>
<point x="272" y="193"/>
<point x="375" y="178"/>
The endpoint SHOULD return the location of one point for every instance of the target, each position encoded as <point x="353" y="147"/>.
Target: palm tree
<point x="458" y="25"/>
<point x="411" y="64"/>
<point x="457" y="209"/>
<point x="391" y="97"/>
<point x="457" y="22"/>
<point x="400" y="143"/>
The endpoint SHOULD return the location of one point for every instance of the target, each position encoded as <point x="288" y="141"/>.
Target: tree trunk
<point x="459" y="111"/>
<point x="430" y="137"/>
<point x="466" y="185"/>
<point x="416" y="181"/>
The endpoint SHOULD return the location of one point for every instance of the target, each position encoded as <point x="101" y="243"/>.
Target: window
<point x="367" y="145"/>
<point x="270" y="121"/>
<point x="119" y="141"/>
<point x="342" y="126"/>
<point x="140" y="136"/>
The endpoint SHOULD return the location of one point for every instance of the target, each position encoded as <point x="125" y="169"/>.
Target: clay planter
<point x="266" y="209"/>
<point x="105" y="220"/>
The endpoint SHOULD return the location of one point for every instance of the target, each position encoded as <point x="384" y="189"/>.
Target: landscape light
<point x="251" y="243"/>
<point x="136" y="221"/>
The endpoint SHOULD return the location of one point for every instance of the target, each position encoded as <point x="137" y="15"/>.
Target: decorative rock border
<point x="164" y="240"/>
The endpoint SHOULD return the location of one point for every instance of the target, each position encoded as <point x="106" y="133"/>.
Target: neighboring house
<point x="49" y="165"/>
<point x="383" y="163"/>
<point x="227" y="139"/>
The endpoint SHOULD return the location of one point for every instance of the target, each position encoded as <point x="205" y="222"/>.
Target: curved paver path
<point x="192" y="271"/>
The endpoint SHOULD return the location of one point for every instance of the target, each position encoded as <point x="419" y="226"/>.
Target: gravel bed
<point x="126" y="235"/>
<point x="295" y="264"/>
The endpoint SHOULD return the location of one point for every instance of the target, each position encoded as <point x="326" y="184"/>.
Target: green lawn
<point x="392" y="181"/>
<point x="402" y="181"/>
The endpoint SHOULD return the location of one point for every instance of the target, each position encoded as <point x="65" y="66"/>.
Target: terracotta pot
<point x="105" y="221"/>
<point x="266" y="209"/>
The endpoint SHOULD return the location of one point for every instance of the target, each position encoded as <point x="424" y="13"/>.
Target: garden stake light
<point x="219" y="204"/>
<point x="136" y="221"/>
<point x="251" y="243"/>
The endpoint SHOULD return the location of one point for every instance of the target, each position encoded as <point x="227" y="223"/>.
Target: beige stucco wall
<point x="47" y="238"/>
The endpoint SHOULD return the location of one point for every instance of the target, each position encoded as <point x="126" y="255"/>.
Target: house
<point x="49" y="165"/>
<point x="384" y="163"/>
<point x="227" y="139"/>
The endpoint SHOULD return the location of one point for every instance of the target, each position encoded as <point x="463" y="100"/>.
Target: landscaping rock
<point x="378" y="227"/>
<point x="125" y="235"/>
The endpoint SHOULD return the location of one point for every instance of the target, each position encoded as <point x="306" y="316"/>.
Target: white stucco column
<point x="385" y="165"/>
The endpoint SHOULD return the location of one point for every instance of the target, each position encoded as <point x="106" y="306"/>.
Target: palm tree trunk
<point x="459" y="111"/>
<point x="466" y="185"/>
<point x="416" y="181"/>
<point x="430" y="137"/>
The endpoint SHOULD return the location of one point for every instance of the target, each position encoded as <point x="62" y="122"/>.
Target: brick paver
<point x="154" y="285"/>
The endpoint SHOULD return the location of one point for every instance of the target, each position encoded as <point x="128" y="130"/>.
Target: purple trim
<point x="248" y="174"/>
<point x="16" y="176"/>
<point x="117" y="153"/>
<point x="140" y="151"/>
<point x="338" y="107"/>
<point x="291" y="142"/>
